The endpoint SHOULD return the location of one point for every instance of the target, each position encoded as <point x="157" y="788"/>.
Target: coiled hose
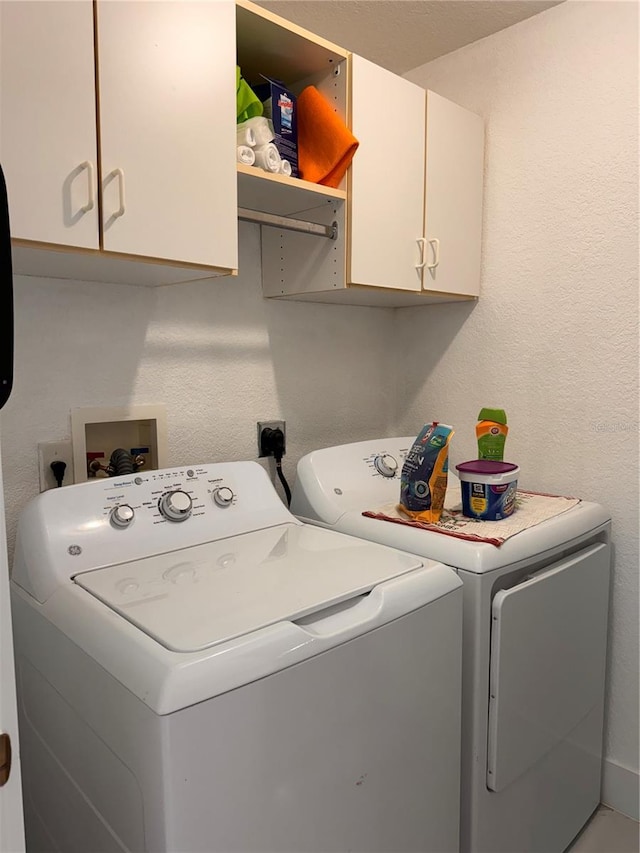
<point x="121" y="463"/>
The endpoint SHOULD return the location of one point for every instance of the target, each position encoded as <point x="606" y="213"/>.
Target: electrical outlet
<point x="271" y="425"/>
<point x="53" y="451"/>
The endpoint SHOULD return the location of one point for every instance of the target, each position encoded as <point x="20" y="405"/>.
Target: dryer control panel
<point x="360" y="476"/>
<point x="110" y="521"/>
<point x="386" y="462"/>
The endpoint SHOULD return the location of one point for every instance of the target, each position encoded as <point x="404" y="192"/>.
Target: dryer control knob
<point x="176" y="506"/>
<point x="223" y="496"/>
<point x="386" y="465"/>
<point x="122" y="515"/>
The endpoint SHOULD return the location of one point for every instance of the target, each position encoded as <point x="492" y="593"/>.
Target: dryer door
<point x="548" y="647"/>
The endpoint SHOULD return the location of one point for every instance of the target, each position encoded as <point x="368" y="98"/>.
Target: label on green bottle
<point x="491" y="438"/>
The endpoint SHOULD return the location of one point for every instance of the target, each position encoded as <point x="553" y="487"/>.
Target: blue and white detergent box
<point x="280" y="107"/>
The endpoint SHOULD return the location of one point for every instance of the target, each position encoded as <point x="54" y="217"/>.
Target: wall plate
<point x="110" y="427"/>
<point x="51" y="451"/>
<point x="271" y="425"/>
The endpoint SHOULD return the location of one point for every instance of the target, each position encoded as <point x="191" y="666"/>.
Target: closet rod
<point x="330" y="231"/>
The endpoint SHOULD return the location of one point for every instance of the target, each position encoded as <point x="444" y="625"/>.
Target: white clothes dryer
<point x="200" y="671"/>
<point x="534" y="647"/>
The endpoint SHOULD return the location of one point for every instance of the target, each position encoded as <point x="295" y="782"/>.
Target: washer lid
<point x="191" y="599"/>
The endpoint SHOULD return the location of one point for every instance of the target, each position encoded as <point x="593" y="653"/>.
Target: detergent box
<point x="280" y="106"/>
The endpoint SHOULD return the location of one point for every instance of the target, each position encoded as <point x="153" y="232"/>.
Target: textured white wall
<point x="216" y="354"/>
<point x="554" y="336"/>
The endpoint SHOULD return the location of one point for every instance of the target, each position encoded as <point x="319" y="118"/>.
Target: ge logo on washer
<point x="74" y="550"/>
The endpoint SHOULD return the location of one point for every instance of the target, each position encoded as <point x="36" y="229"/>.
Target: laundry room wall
<point x="215" y="353"/>
<point x="554" y="336"/>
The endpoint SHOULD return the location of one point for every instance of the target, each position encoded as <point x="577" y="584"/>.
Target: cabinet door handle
<point x="422" y="244"/>
<point x="91" y="200"/>
<point x="435" y="245"/>
<point x="120" y="176"/>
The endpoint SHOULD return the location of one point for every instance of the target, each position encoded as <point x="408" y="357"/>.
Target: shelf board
<point x="374" y="297"/>
<point x="48" y="260"/>
<point x="260" y="190"/>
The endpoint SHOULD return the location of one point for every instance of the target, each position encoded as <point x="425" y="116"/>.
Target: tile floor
<point x="608" y="832"/>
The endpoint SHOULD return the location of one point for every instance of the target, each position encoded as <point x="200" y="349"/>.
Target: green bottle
<point x="491" y="432"/>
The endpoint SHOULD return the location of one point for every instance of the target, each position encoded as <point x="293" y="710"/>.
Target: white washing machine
<point x="200" y="671"/>
<point x="534" y="647"/>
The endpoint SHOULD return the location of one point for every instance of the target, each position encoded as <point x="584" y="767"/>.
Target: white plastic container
<point x="488" y="488"/>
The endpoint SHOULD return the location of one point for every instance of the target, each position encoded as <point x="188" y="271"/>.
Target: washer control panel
<point x="171" y="496"/>
<point x="119" y="519"/>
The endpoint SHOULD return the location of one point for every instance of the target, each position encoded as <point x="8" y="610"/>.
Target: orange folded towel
<point x="325" y="144"/>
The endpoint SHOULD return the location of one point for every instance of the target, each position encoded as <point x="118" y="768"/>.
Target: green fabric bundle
<point x="248" y="104"/>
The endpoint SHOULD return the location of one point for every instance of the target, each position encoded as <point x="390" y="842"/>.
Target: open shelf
<point x="270" y="46"/>
<point x="270" y="193"/>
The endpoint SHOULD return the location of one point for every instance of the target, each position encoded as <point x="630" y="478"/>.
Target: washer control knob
<point x="122" y="515"/>
<point x="223" y="496"/>
<point x="386" y="465"/>
<point x="176" y="505"/>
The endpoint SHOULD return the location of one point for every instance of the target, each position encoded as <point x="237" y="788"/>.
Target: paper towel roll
<point x="245" y="155"/>
<point x="263" y="130"/>
<point x="268" y="157"/>
<point x="261" y="127"/>
<point x="245" y="135"/>
<point x="285" y="167"/>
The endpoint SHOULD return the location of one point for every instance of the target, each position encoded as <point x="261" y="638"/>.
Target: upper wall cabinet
<point x="118" y="143"/>
<point x="421" y="191"/>
<point x="145" y="184"/>
<point x="414" y="204"/>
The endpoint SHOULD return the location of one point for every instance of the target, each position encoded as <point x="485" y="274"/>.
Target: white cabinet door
<point x="166" y="82"/>
<point x="387" y="178"/>
<point x="48" y="121"/>
<point x="453" y="198"/>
